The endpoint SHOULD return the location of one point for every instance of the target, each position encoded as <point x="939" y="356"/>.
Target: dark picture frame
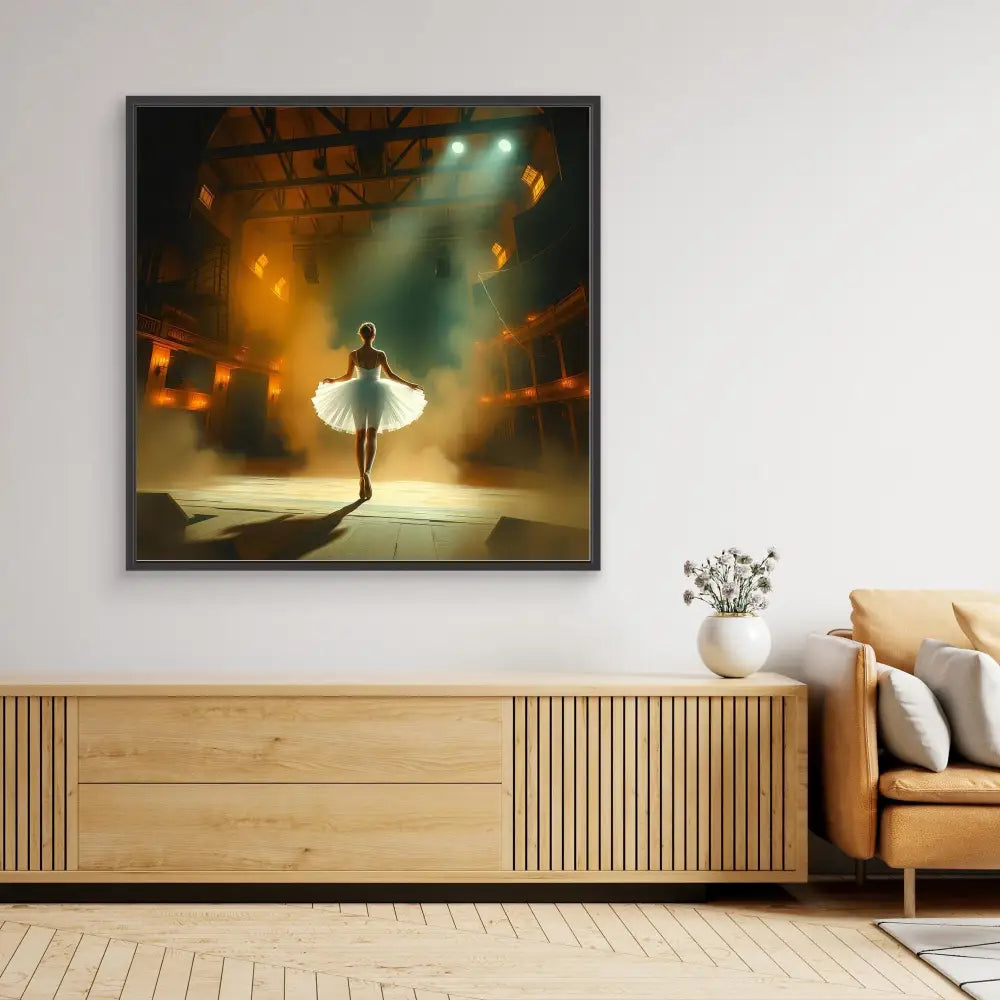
<point x="134" y="106"/>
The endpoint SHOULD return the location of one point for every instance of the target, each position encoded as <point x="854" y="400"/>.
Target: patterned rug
<point x="966" y="950"/>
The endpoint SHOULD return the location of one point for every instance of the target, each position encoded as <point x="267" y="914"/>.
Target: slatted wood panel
<point x="629" y="783"/>
<point x="37" y="773"/>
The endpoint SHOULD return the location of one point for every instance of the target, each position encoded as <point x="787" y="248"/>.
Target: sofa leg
<point x="860" y="871"/>
<point x="909" y="892"/>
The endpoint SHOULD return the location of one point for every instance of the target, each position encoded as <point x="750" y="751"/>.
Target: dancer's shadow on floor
<point x="287" y="536"/>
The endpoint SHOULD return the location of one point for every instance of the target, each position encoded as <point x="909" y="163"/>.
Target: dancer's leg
<point x="371" y="438"/>
<point x="359" y="454"/>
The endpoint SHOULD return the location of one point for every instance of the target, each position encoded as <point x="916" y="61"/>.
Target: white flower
<point x="731" y="580"/>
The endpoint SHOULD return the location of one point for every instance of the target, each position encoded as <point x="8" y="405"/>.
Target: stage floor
<point x="315" y="518"/>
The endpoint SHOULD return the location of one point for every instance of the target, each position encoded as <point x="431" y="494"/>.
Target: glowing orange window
<point x="535" y="181"/>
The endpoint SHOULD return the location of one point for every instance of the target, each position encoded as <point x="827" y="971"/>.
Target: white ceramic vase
<point x="733" y="645"/>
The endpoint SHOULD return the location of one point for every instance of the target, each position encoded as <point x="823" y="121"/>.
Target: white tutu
<point x="367" y="400"/>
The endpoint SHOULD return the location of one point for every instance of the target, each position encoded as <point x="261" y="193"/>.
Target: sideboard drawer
<point x="294" y="827"/>
<point x="263" y="739"/>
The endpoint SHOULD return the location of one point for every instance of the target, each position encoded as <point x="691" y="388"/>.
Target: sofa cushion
<point x="911" y="723"/>
<point x="967" y="684"/>
<point x="939" y="836"/>
<point x="980" y="621"/>
<point x="957" y="784"/>
<point x="895" y="622"/>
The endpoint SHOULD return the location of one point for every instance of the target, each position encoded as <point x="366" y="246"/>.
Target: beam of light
<point x="458" y="147"/>
<point x="505" y="145"/>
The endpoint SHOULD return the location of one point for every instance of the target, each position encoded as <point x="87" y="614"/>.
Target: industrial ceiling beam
<point x="299" y="213"/>
<point x="397" y="118"/>
<point x="400" y="173"/>
<point x="398" y="159"/>
<point x="332" y="239"/>
<point x="270" y="132"/>
<point x="404" y="133"/>
<point x="338" y="123"/>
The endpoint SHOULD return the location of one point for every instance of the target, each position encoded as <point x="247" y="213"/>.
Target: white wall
<point x="800" y="331"/>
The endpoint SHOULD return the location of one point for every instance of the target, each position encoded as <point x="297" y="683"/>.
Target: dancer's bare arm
<point x="389" y="373"/>
<point x="351" y="364"/>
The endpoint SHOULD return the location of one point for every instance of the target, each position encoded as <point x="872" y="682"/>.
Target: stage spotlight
<point x="458" y="147"/>
<point x="505" y="145"/>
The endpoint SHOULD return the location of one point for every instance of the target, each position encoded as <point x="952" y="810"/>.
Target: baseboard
<point x="387" y="892"/>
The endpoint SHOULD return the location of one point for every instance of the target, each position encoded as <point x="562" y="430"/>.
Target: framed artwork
<point x="363" y="333"/>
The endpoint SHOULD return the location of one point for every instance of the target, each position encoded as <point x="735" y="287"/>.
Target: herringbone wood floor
<point x="819" y="945"/>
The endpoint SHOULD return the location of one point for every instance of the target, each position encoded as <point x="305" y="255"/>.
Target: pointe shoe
<point x="367" y="483"/>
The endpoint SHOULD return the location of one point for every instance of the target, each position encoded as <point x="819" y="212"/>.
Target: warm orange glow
<point x="586" y="391"/>
<point x="535" y="180"/>
<point x="529" y="392"/>
<point x="485" y="399"/>
<point x="532" y="317"/>
<point x="181" y="399"/>
<point x="159" y="360"/>
<point x="205" y="196"/>
<point x="507" y="335"/>
<point x="508" y="395"/>
<point x="568" y="383"/>
<point x="259" y="264"/>
<point x="279" y="287"/>
<point x="500" y="253"/>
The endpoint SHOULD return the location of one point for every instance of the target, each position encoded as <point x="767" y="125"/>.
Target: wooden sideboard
<point x="523" y="778"/>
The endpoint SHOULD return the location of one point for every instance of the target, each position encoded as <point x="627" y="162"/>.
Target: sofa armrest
<point x="843" y="750"/>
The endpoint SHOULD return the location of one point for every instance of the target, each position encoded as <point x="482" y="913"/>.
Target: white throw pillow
<point x="911" y="722"/>
<point x="967" y="683"/>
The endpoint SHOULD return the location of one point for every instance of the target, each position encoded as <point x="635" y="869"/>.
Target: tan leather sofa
<point x="861" y="800"/>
